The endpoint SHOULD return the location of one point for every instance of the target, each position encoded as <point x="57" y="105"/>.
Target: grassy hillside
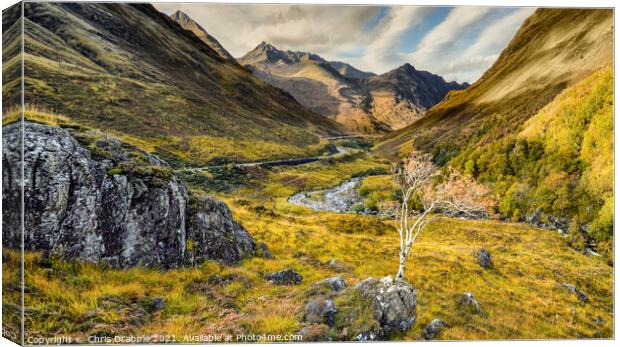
<point x="159" y="82"/>
<point x="553" y="49"/>
<point x="560" y="161"/>
<point x="522" y="296"/>
<point x="537" y="126"/>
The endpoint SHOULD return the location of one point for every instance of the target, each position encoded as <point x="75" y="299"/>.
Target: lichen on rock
<point x="108" y="202"/>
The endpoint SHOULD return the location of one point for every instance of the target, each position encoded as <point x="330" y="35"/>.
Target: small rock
<point x="468" y="302"/>
<point x="337" y="266"/>
<point x="263" y="252"/>
<point x="573" y="289"/>
<point x="320" y="312"/>
<point x="483" y="258"/>
<point x="158" y="304"/>
<point x="433" y="328"/>
<point x="370" y="336"/>
<point x="334" y="283"/>
<point x="285" y="277"/>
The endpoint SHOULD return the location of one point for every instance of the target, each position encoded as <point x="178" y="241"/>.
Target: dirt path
<point x="340" y="152"/>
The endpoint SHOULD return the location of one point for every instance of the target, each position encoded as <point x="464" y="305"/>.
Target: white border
<point x="522" y="3"/>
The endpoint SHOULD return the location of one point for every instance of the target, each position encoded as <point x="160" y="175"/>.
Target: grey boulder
<point x="79" y="205"/>
<point x="483" y="258"/>
<point x="285" y="277"/>
<point x="467" y="302"/>
<point x="433" y="329"/>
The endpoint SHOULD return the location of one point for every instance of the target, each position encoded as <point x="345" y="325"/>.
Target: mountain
<point x="402" y="95"/>
<point x="361" y="101"/>
<point x="189" y="24"/>
<point x="130" y="69"/>
<point x="548" y="53"/>
<point x="537" y="127"/>
<point x="349" y="71"/>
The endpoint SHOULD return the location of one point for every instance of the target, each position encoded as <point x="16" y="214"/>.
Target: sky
<point x="457" y="43"/>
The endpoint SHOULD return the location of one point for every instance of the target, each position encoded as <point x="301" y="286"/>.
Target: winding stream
<point x="341" y="198"/>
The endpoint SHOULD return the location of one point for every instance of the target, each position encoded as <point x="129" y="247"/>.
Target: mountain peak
<point x="265" y="45"/>
<point x="187" y="23"/>
<point x="408" y="66"/>
<point x="180" y="15"/>
<point x="268" y="53"/>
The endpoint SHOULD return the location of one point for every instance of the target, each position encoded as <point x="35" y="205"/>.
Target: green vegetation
<point x="560" y="162"/>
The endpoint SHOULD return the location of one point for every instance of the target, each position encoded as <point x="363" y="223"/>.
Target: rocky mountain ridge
<point x="363" y="102"/>
<point x="189" y="24"/>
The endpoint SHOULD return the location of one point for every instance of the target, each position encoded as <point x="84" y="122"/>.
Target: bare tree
<point x="424" y="191"/>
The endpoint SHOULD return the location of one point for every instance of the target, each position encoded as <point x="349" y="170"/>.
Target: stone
<point x="377" y="308"/>
<point x="263" y="252"/>
<point x="483" y="258"/>
<point x="433" y="329"/>
<point x="333" y="283"/>
<point x="158" y="304"/>
<point x="90" y="206"/>
<point x="337" y="266"/>
<point x="285" y="277"/>
<point x="579" y="294"/>
<point x="320" y="311"/>
<point x="467" y="302"/>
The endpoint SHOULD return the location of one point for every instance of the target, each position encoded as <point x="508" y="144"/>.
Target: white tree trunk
<point x="401" y="266"/>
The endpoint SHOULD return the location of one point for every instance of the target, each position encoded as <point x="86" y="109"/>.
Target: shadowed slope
<point x="130" y="68"/>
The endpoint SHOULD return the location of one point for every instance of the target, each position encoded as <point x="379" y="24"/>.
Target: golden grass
<point x="522" y="295"/>
<point x="33" y="113"/>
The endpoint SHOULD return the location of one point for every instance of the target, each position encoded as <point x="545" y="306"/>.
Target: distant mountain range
<point x="362" y="101"/>
<point x="131" y="68"/>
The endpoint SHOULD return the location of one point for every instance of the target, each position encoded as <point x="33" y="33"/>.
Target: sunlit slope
<point x="559" y="162"/>
<point x="553" y="49"/>
<point x="361" y="102"/>
<point x="130" y="68"/>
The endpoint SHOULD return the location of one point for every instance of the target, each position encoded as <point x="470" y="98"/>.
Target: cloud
<point x="383" y="53"/>
<point x="468" y="41"/>
<point x="458" y="45"/>
<point x="319" y="29"/>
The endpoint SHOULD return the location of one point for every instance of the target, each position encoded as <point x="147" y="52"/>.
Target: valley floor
<point x="522" y="296"/>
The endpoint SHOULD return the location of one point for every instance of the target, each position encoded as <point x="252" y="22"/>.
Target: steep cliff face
<point x="109" y="203"/>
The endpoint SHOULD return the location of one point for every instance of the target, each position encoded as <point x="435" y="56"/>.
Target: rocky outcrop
<point x="285" y="277"/>
<point x="104" y="201"/>
<point x="468" y="303"/>
<point x="372" y="310"/>
<point x="578" y="293"/>
<point x="394" y="303"/>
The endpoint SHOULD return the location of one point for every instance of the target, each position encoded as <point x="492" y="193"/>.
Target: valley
<point x="176" y="192"/>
